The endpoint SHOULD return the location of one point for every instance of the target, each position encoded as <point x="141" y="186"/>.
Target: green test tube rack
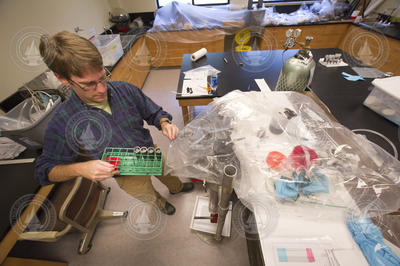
<point x="134" y="161"/>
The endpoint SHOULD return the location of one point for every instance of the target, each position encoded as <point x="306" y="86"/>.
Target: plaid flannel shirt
<point x="80" y="132"/>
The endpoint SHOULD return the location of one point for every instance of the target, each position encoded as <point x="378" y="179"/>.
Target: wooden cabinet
<point x="325" y="36"/>
<point x="168" y="48"/>
<point x="372" y="48"/>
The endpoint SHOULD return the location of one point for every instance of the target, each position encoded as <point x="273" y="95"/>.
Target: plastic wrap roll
<point x="199" y="54"/>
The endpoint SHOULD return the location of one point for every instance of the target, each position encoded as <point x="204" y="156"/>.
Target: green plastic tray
<point x="134" y="161"/>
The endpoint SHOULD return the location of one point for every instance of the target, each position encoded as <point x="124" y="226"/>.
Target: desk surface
<point x="233" y="76"/>
<point x="343" y="98"/>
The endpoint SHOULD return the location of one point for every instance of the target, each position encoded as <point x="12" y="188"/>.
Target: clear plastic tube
<point x="20" y="115"/>
<point x="395" y="154"/>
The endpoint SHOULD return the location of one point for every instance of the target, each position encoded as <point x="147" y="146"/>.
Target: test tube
<point x="136" y="149"/>
<point x="143" y="150"/>
<point x="158" y="152"/>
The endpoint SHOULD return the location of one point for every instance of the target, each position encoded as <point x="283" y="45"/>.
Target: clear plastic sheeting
<point x="179" y="16"/>
<point x="210" y="149"/>
<point x="285" y="146"/>
<point x="301" y="16"/>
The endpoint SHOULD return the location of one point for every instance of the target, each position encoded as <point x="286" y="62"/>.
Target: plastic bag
<point x="320" y="162"/>
<point x="180" y="16"/>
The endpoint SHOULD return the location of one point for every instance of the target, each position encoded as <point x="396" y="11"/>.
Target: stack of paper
<point x="9" y="149"/>
<point x="196" y="81"/>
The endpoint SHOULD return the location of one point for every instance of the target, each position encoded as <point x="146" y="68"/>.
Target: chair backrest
<point x="81" y="204"/>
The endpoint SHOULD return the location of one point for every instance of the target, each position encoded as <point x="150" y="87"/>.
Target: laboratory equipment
<point x="384" y="98"/>
<point x="335" y="160"/>
<point x="219" y="206"/>
<point x="297" y="72"/>
<point x="121" y="19"/>
<point x="134" y="161"/>
<point x="332" y="60"/>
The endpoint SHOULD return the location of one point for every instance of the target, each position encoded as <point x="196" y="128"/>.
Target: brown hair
<point x="69" y="54"/>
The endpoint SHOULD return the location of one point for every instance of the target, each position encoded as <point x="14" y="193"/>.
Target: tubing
<point x="395" y="154"/>
<point x="213" y="197"/>
<point x="230" y="173"/>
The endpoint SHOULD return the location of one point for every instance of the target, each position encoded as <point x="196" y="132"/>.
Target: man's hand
<point x="97" y="170"/>
<point x="169" y="130"/>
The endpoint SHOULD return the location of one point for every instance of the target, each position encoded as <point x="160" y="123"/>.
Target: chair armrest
<point x="48" y="236"/>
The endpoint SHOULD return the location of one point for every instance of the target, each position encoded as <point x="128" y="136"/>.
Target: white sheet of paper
<point x="262" y="84"/>
<point x="196" y="75"/>
<point x="197" y="87"/>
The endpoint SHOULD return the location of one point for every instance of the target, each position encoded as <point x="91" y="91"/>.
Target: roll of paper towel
<point x="199" y="54"/>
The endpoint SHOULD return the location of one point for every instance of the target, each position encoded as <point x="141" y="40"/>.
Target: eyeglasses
<point x="92" y="85"/>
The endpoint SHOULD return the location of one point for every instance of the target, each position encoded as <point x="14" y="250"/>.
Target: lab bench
<point x="339" y="98"/>
<point x="166" y="49"/>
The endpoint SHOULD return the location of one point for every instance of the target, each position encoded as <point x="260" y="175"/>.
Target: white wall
<point x="387" y="6"/>
<point x="23" y="19"/>
<point x="135" y="6"/>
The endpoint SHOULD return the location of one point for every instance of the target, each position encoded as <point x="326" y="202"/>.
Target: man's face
<point x="91" y="87"/>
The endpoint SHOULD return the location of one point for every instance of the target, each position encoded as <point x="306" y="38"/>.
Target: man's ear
<point x="62" y="79"/>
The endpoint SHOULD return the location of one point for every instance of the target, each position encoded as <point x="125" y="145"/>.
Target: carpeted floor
<point x="175" y="244"/>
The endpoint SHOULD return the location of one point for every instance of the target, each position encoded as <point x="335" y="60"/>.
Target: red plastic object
<point x="123" y="29"/>
<point x="114" y="161"/>
<point x="214" y="218"/>
<point x="302" y="157"/>
<point x="275" y="159"/>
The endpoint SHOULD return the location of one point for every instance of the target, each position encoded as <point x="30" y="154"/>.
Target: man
<point x="97" y="115"/>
